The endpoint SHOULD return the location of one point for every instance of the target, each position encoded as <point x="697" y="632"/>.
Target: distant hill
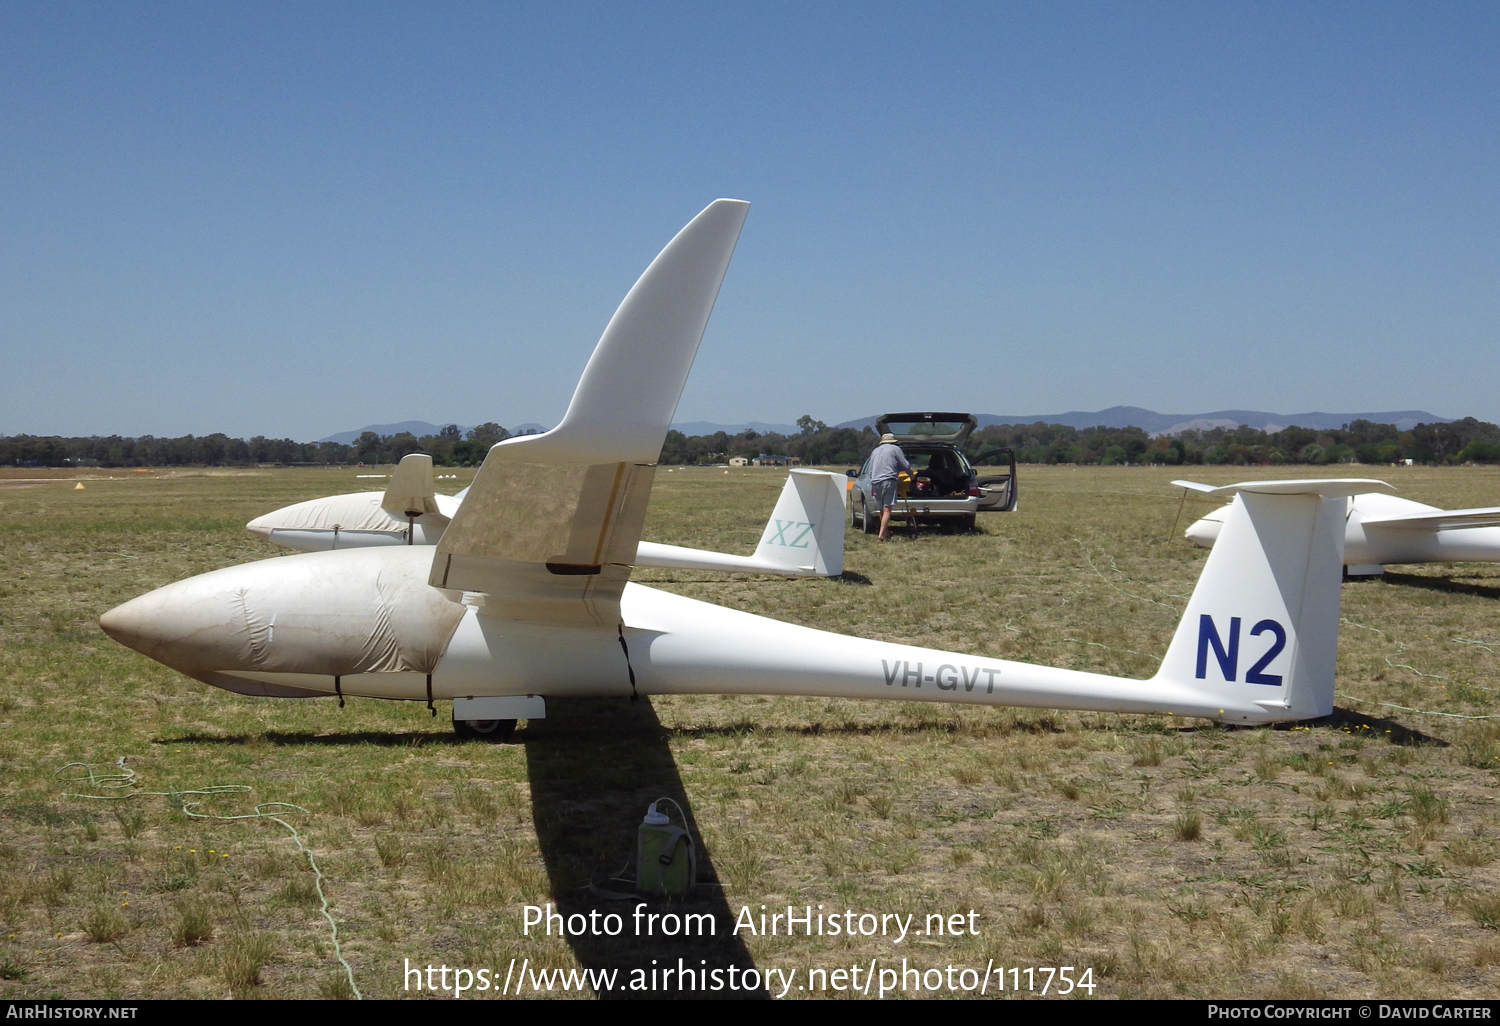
<point x="1114" y="417"/>
<point x="416" y="427"/>
<point x="703" y="427"/>
<point x="1168" y="423"/>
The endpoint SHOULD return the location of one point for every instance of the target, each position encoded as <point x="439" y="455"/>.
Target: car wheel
<point x="871" y="525"/>
<point x="966" y="523"/>
<point x="485" y="730"/>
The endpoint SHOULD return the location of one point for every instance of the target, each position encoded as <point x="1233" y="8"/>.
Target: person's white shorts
<point x="883" y="492"/>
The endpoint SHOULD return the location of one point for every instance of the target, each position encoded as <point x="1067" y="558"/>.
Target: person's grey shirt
<point x="887" y="461"/>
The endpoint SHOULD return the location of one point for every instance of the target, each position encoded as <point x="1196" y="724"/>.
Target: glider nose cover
<point x="334" y="613"/>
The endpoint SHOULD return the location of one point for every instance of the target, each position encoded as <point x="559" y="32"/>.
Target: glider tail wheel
<point x="485" y="730"/>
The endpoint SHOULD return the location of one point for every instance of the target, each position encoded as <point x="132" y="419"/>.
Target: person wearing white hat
<point x="886" y="464"/>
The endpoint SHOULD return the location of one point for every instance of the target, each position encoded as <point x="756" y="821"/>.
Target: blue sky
<point x="295" y="219"/>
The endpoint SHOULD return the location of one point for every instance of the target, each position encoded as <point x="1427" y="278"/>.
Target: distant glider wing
<point x="1440" y="520"/>
<point x="1325" y="488"/>
<point x="549" y="528"/>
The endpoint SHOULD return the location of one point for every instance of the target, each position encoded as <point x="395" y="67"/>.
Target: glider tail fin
<point x="411" y="491"/>
<point x="1261" y="628"/>
<point x="805" y="535"/>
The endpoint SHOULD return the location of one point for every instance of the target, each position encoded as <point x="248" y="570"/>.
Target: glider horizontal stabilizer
<point x="1327" y="487"/>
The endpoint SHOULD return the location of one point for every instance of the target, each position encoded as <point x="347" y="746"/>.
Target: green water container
<point x="666" y="862"/>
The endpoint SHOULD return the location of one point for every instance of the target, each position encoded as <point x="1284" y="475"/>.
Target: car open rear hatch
<point x="952" y="428"/>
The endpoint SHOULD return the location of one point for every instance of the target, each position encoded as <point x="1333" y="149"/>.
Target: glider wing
<point x="549" y="528"/>
<point x="1440" y="520"/>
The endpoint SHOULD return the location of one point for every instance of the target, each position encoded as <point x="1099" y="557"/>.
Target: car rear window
<point x="935" y="429"/>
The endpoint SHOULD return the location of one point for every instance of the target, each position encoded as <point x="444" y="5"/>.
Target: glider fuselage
<point x="271" y="628"/>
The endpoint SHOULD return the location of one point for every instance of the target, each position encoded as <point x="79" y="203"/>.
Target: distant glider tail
<point x="803" y="538"/>
<point x="805" y="534"/>
<point x="1261" y="628"/>
<point x="411" y="493"/>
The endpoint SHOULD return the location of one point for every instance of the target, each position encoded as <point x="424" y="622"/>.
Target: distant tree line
<point x="816" y="443"/>
<point x="1360" y="441"/>
<point x="448" y="448"/>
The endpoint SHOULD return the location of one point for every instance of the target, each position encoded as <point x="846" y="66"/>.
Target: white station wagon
<point x="948" y="488"/>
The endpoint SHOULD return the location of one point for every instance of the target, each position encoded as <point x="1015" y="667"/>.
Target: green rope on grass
<point x="125" y="782"/>
<point x="1419" y="712"/>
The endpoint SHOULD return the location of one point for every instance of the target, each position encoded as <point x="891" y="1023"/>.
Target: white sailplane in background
<point x="527" y="595"/>
<point x="1381" y="529"/>
<point x="803" y="538"/>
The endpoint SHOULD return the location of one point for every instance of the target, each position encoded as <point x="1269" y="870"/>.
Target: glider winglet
<point x="551" y="523"/>
<point x="625" y="399"/>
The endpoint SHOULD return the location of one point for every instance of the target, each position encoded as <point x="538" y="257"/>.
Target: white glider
<point x="1381" y="529"/>
<point x="803" y="538"/>
<point x="527" y="593"/>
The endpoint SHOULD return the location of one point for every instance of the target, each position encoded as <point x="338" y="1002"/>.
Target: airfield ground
<point x="1354" y="857"/>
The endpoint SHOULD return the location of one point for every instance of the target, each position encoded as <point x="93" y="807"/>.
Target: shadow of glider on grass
<point x="527" y="594"/>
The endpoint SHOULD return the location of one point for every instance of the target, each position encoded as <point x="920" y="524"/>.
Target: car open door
<point x="996" y="470"/>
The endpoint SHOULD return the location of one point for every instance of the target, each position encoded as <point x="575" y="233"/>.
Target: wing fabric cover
<point x="347" y="522"/>
<point x="550" y="526"/>
<point x="359" y="511"/>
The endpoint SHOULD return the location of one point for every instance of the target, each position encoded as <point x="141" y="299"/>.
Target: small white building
<point x="738" y="461"/>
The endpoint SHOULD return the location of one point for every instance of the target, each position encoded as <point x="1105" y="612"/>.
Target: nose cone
<point x="129" y="624"/>
<point x="1205" y="532"/>
<point x="326" y="613"/>
<point x="186" y="626"/>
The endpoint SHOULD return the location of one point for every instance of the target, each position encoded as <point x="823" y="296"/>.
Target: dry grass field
<point x="1353" y="857"/>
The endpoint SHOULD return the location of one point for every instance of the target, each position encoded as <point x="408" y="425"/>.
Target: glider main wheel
<point x="485" y="730"/>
